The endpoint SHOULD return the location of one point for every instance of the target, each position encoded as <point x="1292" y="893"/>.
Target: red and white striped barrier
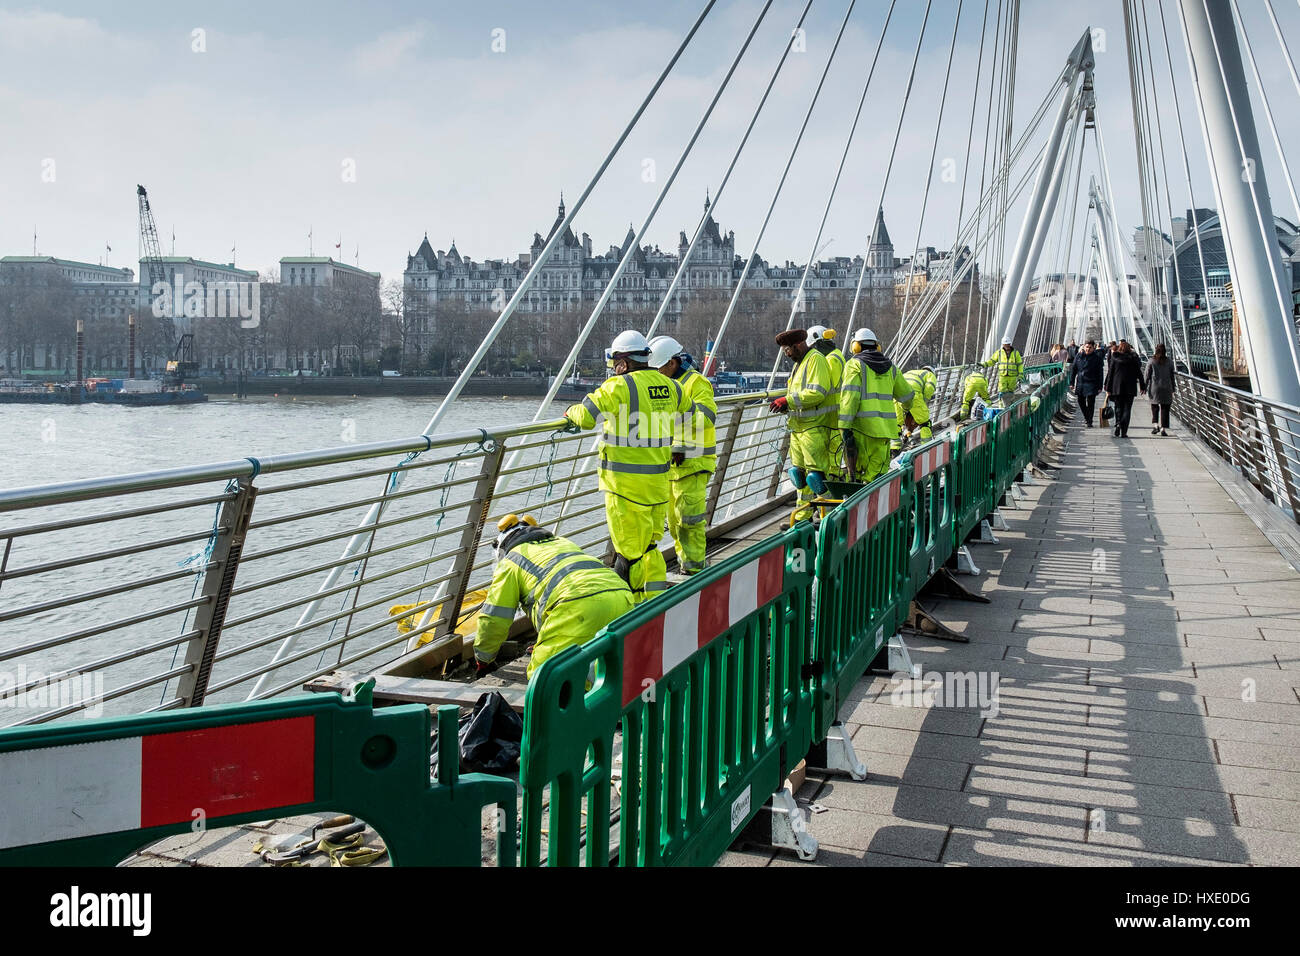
<point x="973" y="438"/>
<point x="659" y="645"/>
<point x="878" y="506"/>
<point x="930" y="460"/>
<point x="110" y="786"/>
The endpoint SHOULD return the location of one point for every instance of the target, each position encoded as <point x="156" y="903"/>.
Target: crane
<point x="182" y="361"/>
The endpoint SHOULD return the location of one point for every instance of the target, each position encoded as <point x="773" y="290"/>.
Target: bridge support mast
<point x="1246" y="212"/>
<point x="1041" y="201"/>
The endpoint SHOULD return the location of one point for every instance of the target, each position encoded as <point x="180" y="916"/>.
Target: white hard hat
<point x="630" y="342"/>
<point x="663" y="349"/>
<point x="1006" y="341"/>
<point x="864" y="336"/>
<point x="815" y="334"/>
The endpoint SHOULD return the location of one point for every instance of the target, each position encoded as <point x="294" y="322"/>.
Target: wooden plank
<point x="418" y="690"/>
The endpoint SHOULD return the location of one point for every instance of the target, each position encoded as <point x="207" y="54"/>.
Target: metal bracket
<point x="966" y="563"/>
<point x="1026" y="477"/>
<point x="897" y="658"/>
<point x="790" y="826"/>
<point x="1017" y="493"/>
<point x="840" y="755"/>
<point x="986" y="530"/>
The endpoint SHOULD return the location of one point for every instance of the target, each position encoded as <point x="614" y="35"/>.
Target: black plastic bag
<point x="490" y="739"/>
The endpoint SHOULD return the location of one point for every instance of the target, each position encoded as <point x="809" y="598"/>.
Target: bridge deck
<point x="1146" y="635"/>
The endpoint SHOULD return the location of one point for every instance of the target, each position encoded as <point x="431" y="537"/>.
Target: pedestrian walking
<point x="1159" y="381"/>
<point x="1086" y="376"/>
<point x="1123" y="381"/>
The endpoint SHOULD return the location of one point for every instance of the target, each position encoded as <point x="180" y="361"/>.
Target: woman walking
<point x="1159" y="382"/>
<point x="1123" y="379"/>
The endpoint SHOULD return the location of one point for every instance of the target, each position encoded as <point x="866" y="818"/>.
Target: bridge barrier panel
<point x="862" y="588"/>
<point x="707" y="684"/>
<point x="92" y="792"/>
<point x="974" y="477"/>
<point x="930" y="537"/>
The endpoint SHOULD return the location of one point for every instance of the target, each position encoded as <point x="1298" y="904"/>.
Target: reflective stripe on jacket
<point x="867" y="399"/>
<point x="923" y="385"/>
<point x="537" y="575"/>
<point x="696" y="436"/>
<point x="976" y="384"/>
<point x="637" y="412"/>
<point x="808" y="393"/>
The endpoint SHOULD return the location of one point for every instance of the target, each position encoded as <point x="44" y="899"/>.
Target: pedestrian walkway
<point x="1145" y="639"/>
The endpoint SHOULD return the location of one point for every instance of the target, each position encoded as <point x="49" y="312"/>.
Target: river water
<point x="41" y="444"/>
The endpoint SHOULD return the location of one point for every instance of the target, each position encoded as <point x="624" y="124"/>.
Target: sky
<point x="253" y="124"/>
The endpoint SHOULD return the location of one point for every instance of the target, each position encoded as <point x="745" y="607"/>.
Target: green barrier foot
<point x="893" y="658"/>
<point x="998" y="521"/>
<point x="965" y="563"/>
<point x="836" y="754"/>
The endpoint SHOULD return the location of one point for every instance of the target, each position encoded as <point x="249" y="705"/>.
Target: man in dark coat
<point x="1071" y="352"/>
<point x="1123" y="381"/>
<point x="1086" y="374"/>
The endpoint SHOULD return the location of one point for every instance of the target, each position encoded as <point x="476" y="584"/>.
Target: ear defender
<point x="510" y="520"/>
<point x="856" y="348"/>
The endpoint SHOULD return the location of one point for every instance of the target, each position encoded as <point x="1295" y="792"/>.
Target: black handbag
<point x="1108" y="411"/>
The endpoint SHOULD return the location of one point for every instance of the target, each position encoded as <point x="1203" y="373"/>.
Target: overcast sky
<point x="244" y="120"/>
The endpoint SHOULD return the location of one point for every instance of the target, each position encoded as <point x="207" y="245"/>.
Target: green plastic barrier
<point x="709" y="687"/>
<point x="92" y="792"/>
<point x="862" y="588"/>
<point x="931" y="528"/>
<point x="974" y="477"/>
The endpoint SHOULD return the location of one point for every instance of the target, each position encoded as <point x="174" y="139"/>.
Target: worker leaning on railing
<point x="568" y="595"/>
<point x="914" y="419"/>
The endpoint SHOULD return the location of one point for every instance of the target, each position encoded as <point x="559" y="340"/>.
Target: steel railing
<point x="1258" y="437"/>
<point x="120" y="594"/>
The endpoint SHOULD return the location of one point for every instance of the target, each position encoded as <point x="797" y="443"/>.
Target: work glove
<point x="570" y="427"/>
<point x="778" y="405"/>
<point x="679" y="457"/>
<point x="481" y="668"/>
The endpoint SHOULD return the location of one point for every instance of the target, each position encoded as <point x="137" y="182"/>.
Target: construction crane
<point x="182" y="361"/>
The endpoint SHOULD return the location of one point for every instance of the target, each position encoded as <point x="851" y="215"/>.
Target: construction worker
<point x="914" y="420"/>
<point x="867" y="420"/>
<point x="811" y="417"/>
<point x="636" y="408"/>
<point x="694" y="454"/>
<point x="1006" y="368"/>
<point x="823" y="340"/>
<point x="568" y="595"/>
<point x="977" y="386"/>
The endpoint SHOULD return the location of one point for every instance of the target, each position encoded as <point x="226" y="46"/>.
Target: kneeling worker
<point x="811" y="417"/>
<point x="915" y="418"/>
<point x="694" y="454"/>
<point x="867" y="418"/>
<point x="568" y="595"/>
<point x="977" y="386"/>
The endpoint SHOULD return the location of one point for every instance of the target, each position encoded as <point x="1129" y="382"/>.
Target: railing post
<point x="780" y="465"/>
<point x="218" y="581"/>
<point x="724" y="460"/>
<point x="467" y="547"/>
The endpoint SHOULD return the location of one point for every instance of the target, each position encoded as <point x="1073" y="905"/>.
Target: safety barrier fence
<point x="699" y="698"/>
<point x="94" y="792"/>
<point x="691" y="708"/>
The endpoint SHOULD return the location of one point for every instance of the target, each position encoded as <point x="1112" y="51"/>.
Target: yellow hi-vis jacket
<point x="695" y="436"/>
<point x="976" y="385"/>
<point x="542" y="577"/>
<point x="868" y="394"/>
<point x="1005" y="369"/>
<point x="637" y="411"/>
<point x="923" y="384"/>
<point x="808" y="393"/>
